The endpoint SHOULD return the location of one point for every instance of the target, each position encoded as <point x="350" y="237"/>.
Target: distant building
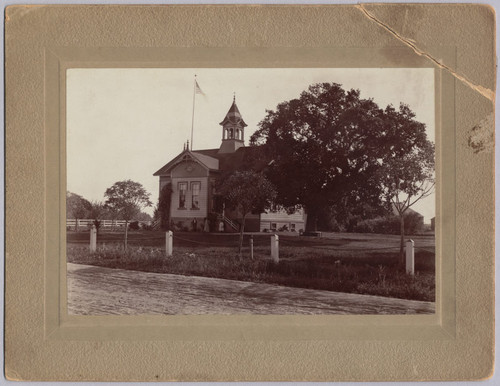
<point x="192" y="176"/>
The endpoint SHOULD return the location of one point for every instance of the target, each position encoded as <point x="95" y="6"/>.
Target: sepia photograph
<point x="250" y="191"/>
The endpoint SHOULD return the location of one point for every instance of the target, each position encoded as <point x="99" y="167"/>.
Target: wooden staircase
<point x="235" y="226"/>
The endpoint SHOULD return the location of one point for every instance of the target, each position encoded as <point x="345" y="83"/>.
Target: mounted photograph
<point x="269" y="191"/>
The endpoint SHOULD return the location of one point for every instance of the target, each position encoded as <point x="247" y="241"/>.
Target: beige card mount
<point x="45" y="343"/>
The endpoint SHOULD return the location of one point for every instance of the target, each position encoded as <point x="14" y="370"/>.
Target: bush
<point x="164" y="207"/>
<point x="146" y="227"/>
<point x="334" y="226"/>
<point x="391" y="224"/>
<point x="213" y="223"/>
<point x="134" y="226"/>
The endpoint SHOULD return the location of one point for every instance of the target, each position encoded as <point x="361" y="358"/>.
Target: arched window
<point x="230" y="133"/>
<point x="237" y="133"/>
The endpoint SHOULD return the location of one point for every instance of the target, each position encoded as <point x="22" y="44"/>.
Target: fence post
<point x="169" y="242"/>
<point x="410" y="257"/>
<point x="93" y="239"/>
<point x="251" y="247"/>
<point x="275" y="248"/>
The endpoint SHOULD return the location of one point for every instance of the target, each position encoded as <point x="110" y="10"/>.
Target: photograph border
<point x="227" y="327"/>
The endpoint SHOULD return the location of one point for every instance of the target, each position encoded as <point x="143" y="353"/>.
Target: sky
<point x="128" y="123"/>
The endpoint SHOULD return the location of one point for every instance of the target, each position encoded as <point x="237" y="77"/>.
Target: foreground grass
<point x="302" y="265"/>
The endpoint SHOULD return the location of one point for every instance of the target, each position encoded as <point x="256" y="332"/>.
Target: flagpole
<point x="192" y="118"/>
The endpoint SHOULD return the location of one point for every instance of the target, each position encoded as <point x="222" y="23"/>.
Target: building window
<point x="195" y="188"/>
<point x="273" y="226"/>
<point x="292" y="227"/>
<point x="182" y="194"/>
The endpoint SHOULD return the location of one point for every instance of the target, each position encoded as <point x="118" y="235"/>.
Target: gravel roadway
<point x="106" y="291"/>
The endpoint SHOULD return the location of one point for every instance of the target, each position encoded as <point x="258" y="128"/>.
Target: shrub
<point x="391" y="224"/>
<point x="146" y="227"/>
<point x="414" y="223"/>
<point x="164" y="207"/>
<point x="334" y="226"/>
<point x="213" y="221"/>
<point x="134" y="226"/>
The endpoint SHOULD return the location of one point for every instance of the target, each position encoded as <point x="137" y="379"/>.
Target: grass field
<point x="354" y="263"/>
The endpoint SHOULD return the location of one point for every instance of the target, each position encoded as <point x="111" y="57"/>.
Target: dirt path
<point x="105" y="291"/>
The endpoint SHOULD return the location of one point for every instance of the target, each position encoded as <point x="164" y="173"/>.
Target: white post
<point x="275" y="248"/>
<point x="410" y="258"/>
<point x="93" y="239"/>
<point x="251" y="247"/>
<point x="169" y="236"/>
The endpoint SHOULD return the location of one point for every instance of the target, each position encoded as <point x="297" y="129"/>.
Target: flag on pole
<point x="197" y="88"/>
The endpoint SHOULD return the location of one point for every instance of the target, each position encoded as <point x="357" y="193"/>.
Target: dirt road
<point x="105" y="291"/>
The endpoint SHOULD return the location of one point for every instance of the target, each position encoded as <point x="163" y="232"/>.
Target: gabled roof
<point x="233" y="116"/>
<point x="208" y="162"/>
<point x="244" y="158"/>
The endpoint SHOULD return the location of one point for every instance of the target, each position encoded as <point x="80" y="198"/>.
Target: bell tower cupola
<point x="233" y="130"/>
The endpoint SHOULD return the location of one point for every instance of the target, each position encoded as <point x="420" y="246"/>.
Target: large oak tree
<point x="326" y="149"/>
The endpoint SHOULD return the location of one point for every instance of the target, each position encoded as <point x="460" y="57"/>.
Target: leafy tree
<point x="77" y="207"/>
<point x="407" y="175"/>
<point x="127" y="198"/>
<point x="246" y="192"/>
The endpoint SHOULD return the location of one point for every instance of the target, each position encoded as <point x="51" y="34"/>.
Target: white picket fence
<point x="84" y="223"/>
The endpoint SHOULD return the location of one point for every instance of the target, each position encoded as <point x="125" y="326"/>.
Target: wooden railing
<point x="231" y="223"/>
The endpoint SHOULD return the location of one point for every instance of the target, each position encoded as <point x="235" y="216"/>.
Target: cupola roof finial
<point x="233" y="116"/>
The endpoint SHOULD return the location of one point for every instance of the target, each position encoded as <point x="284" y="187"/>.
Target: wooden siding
<point x="267" y="225"/>
<point x="189" y="169"/>
<point x="282" y="215"/>
<point x="282" y="218"/>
